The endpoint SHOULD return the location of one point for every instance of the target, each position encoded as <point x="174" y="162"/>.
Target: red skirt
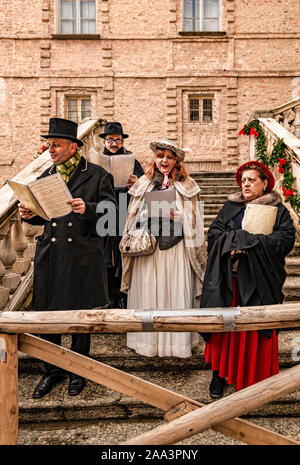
<point x="244" y="357"/>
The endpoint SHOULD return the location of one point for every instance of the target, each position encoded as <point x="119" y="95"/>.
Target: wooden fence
<point x="185" y="416"/>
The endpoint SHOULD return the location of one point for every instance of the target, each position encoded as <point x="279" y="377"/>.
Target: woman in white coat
<point x="171" y="276"/>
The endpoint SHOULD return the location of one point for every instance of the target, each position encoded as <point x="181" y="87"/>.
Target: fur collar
<point x="270" y="198"/>
<point x="188" y="188"/>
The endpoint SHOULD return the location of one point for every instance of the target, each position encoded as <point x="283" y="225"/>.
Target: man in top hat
<point x="114" y="136"/>
<point x="69" y="265"/>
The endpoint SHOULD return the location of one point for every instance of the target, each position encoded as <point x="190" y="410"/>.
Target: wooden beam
<point x="123" y="321"/>
<point x="138" y="388"/>
<point x="9" y="393"/>
<point x="213" y="414"/>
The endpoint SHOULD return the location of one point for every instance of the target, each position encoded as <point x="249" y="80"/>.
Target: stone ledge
<point x="76" y="36"/>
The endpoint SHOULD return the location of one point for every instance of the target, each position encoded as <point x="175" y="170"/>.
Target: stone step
<point x="296" y="250"/>
<point x="213" y="175"/>
<point x="291" y="288"/>
<point x="212" y="208"/>
<point x="213" y="199"/>
<point x="112" y="350"/>
<point x="97" y="402"/>
<point x="216" y="189"/>
<point x="95" y="413"/>
<point x="293" y="265"/>
<point x="114" y="432"/>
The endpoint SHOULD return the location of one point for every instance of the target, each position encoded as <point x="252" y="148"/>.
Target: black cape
<point x="260" y="274"/>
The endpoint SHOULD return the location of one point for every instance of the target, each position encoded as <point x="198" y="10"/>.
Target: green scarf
<point x="65" y="169"/>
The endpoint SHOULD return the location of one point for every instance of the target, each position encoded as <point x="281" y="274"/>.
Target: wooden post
<point x="213" y="414"/>
<point x="9" y="393"/>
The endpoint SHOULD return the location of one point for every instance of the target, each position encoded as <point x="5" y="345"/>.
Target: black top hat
<point x="113" y="128"/>
<point x="63" y="129"/>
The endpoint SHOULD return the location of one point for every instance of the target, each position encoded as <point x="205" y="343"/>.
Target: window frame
<point x="201" y="19"/>
<point x="201" y="98"/>
<point x="79" y="98"/>
<point x="78" y="20"/>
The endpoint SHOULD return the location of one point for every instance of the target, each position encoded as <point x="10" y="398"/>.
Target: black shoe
<point x="46" y="384"/>
<point x="76" y="385"/>
<point x="216" y="388"/>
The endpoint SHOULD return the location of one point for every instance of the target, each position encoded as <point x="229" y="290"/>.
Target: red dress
<point x="244" y="357"/>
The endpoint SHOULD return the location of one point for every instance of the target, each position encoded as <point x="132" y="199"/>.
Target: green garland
<point x="277" y="156"/>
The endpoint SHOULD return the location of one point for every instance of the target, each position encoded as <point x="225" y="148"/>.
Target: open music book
<point x="120" y="166"/>
<point x="259" y="219"/>
<point x="46" y="197"/>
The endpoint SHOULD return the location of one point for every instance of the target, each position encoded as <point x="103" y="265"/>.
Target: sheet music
<point x="259" y="219"/>
<point x="103" y="160"/>
<point x="159" y="203"/>
<point x="25" y="196"/>
<point x="121" y="167"/>
<point x="53" y="194"/>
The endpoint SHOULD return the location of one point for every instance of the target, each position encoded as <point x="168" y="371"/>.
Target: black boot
<point x="217" y="384"/>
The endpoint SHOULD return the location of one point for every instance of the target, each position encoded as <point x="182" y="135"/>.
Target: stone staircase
<point x="102" y="416"/>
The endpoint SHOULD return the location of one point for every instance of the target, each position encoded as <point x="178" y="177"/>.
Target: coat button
<point x="53" y="239"/>
<point x="70" y="224"/>
<point x="54" y="224"/>
<point x="70" y="239"/>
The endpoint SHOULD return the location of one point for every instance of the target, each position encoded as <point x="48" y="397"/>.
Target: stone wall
<point x="140" y="68"/>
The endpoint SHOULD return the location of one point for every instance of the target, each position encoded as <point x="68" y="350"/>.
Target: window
<point x="201" y="15"/>
<point x="200" y="109"/>
<point x="78" y="108"/>
<point x="77" y="17"/>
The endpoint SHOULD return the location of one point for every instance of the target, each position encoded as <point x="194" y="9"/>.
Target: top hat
<point x="166" y="144"/>
<point x="113" y="128"/>
<point x="63" y="129"/>
<point x="249" y="164"/>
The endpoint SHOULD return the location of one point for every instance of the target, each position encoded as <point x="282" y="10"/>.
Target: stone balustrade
<point x="17" y="238"/>
<point x="288" y="116"/>
<point x="273" y="132"/>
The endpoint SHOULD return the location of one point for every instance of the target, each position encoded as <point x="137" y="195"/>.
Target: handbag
<point x="137" y="241"/>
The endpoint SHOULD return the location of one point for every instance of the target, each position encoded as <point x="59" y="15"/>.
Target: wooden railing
<point x="17" y="239"/>
<point x="186" y="416"/>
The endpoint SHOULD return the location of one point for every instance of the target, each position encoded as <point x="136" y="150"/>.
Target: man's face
<point x="61" y="150"/>
<point x="113" y="142"/>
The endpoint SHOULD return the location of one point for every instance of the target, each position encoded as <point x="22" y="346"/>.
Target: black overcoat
<point x="261" y="271"/>
<point x="69" y="265"/>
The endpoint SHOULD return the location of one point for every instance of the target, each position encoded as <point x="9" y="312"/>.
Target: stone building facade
<point x="192" y="71"/>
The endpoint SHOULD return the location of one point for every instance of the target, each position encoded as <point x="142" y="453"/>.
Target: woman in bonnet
<point x="171" y="276"/>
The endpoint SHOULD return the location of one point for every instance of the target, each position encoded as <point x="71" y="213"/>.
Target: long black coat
<point x="260" y="274"/>
<point x="69" y="265"/>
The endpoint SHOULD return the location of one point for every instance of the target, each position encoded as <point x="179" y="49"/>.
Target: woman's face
<point x="165" y="160"/>
<point x="252" y="186"/>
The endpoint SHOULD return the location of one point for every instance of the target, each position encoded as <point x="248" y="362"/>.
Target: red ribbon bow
<point x="288" y="193"/>
<point x="242" y="133"/>
<point x="282" y="162"/>
<point x="253" y="132"/>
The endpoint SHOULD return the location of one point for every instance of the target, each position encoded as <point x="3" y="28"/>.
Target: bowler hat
<point x="60" y="128"/>
<point x="167" y="144"/>
<point x="113" y="128"/>
<point x="248" y="165"/>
